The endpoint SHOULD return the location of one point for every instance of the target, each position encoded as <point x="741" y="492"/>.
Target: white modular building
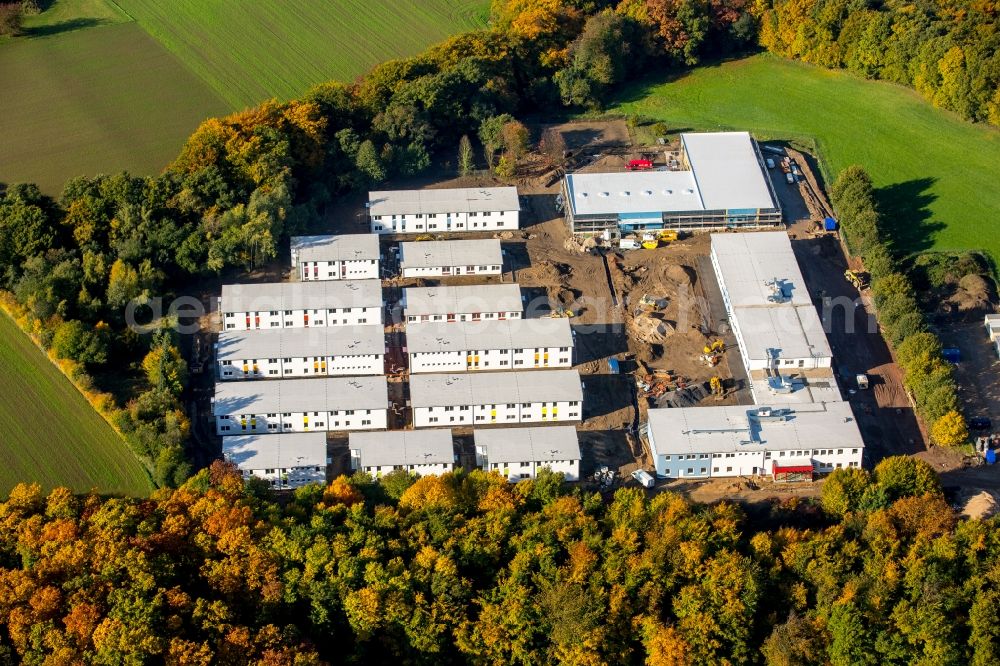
<point x="301" y="405"/>
<point x="520" y="344"/>
<point x="450" y="257"/>
<point x="518" y="453"/>
<point x="718" y="181"/>
<point x="341" y="257"/>
<point x="301" y="352"/>
<point x="300" y="304"/>
<point x="286" y="461"/>
<point x="444" y="210"/>
<point x="464" y="303"/>
<point x="455" y="399"/>
<point x="770" y="311"/>
<point x="704" y="442"/>
<point x="423" y="452"/>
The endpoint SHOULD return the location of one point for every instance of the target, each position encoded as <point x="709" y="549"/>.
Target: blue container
<point x="991" y="456"/>
<point x="613" y="366"/>
<point x="952" y="354"/>
<point x="830" y="224"/>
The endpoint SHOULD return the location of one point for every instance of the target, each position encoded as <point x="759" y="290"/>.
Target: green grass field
<point x="250" y="51"/>
<point x="937" y="174"/>
<point x="50" y="433"/>
<point x="89" y="90"/>
<point x="94" y="100"/>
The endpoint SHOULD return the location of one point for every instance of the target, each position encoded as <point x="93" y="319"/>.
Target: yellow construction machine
<point x="560" y="313"/>
<point x="716" y="346"/>
<point x="716" y="385"/>
<point x="425" y="237"/>
<point x="650" y="241"/>
<point x="857" y="278"/>
<point x="667" y="235"/>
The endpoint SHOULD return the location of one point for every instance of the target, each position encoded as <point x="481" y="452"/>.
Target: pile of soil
<point x="974" y="293"/>
<point x="980" y="506"/>
<point x="650" y="329"/>
<point x="574" y="244"/>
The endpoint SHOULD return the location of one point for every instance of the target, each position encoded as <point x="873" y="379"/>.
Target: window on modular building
<point x="268" y="471"/>
<point x="703" y="470"/>
<point x="729" y="469"/>
<point x="511" y="406"/>
<point x="690" y="470"/>
<point x="288" y="312"/>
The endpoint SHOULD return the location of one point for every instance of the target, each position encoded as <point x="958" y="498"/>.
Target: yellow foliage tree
<point x="430" y="492"/>
<point x="949" y="430"/>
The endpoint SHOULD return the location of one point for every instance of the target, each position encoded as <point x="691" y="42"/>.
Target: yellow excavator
<point x="716" y="346"/>
<point x="857" y="278"/>
<point x="667" y="235"/>
<point x="559" y="313"/>
<point x="425" y="237"/>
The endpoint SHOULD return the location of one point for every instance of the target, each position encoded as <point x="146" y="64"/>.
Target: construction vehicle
<point x="716" y="346"/>
<point x="857" y="278"/>
<point x="559" y="313"/>
<point x="650" y="241"/>
<point x="639" y="165"/>
<point x="716" y="385"/>
<point x="667" y="235"/>
<point x="424" y="237"/>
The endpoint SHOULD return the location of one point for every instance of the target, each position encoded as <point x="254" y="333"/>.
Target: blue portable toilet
<point x="830" y="224"/>
<point x="952" y="354"/>
<point x="991" y="456"/>
<point x="613" y="366"/>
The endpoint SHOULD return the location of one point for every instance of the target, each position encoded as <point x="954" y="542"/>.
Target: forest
<point x="71" y="267"/>
<point x="471" y="569"/>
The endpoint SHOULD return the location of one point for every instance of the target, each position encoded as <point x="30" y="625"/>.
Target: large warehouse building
<point x="443" y="210"/>
<point x="769" y="308"/>
<point x="300" y="304"/>
<point x="344" y="257"/>
<point x="495" y="398"/>
<point x="702" y="442"/>
<point x="464" y="303"/>
<point x="721" y="183"/>
<point x="521" y="344"/>
<point x="301" y="405"/>
<point x="301" y="352"/>
<point x="286" y="461"/>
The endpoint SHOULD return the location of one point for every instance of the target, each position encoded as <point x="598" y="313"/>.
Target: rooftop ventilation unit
<point x="668" y="192"/>
<point x="604" y="194"/>
<point x="648" y="193"/>
<point x="625" y="193"/>
<point x="777" y="294"/>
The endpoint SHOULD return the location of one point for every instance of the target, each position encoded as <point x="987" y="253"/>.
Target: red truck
<point x="639" y="165"/>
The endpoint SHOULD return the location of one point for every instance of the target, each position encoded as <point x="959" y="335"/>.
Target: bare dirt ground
<point x="978" y="374"/>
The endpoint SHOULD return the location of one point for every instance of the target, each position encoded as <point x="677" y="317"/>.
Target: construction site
<point x="650" y="326"/>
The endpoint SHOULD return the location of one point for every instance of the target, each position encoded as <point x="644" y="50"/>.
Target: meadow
<point x="94" y="100"/>
<point x="50" y="433"/>
<point x="937" y="174"/>
<point x="98" y="87"/>
<point x="250" y="51"/>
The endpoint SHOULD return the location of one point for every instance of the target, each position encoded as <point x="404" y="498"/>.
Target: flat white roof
<point x="265" y="396"/>
<point x="749" y="261"/>
<point x="403" y="447"/>
<point x="277" y="451"/>
<point x="760" y="276"/>
<point x="343" y="247"/>
<point x="633" y="192"/>
<point x="468" y="299"/>
<point x="361" y="340"/>
<point x="429" y="254"/>
<point x="489" y="334"/>
<point x="728" y="169"/>
<point x="450" y="200"/>
<point x="539" y="444"/>
<point x="725" y="429"/>
<point x="317" y="295"/>
<point x="725" y="174"/>
<point x="495" y="388"/>
<point x="801" y="390"/>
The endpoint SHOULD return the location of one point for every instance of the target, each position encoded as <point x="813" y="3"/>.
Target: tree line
<point x="948" y="51"/>
<point x="926" y="374"/>
<point x="471" y="569"/>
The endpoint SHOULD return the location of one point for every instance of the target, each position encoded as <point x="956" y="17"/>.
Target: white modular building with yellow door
<point x="301" y="405"/>
<point x="498" y="398"/>
<point x="301" y="352"/>
<point x="471" y="346"/>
